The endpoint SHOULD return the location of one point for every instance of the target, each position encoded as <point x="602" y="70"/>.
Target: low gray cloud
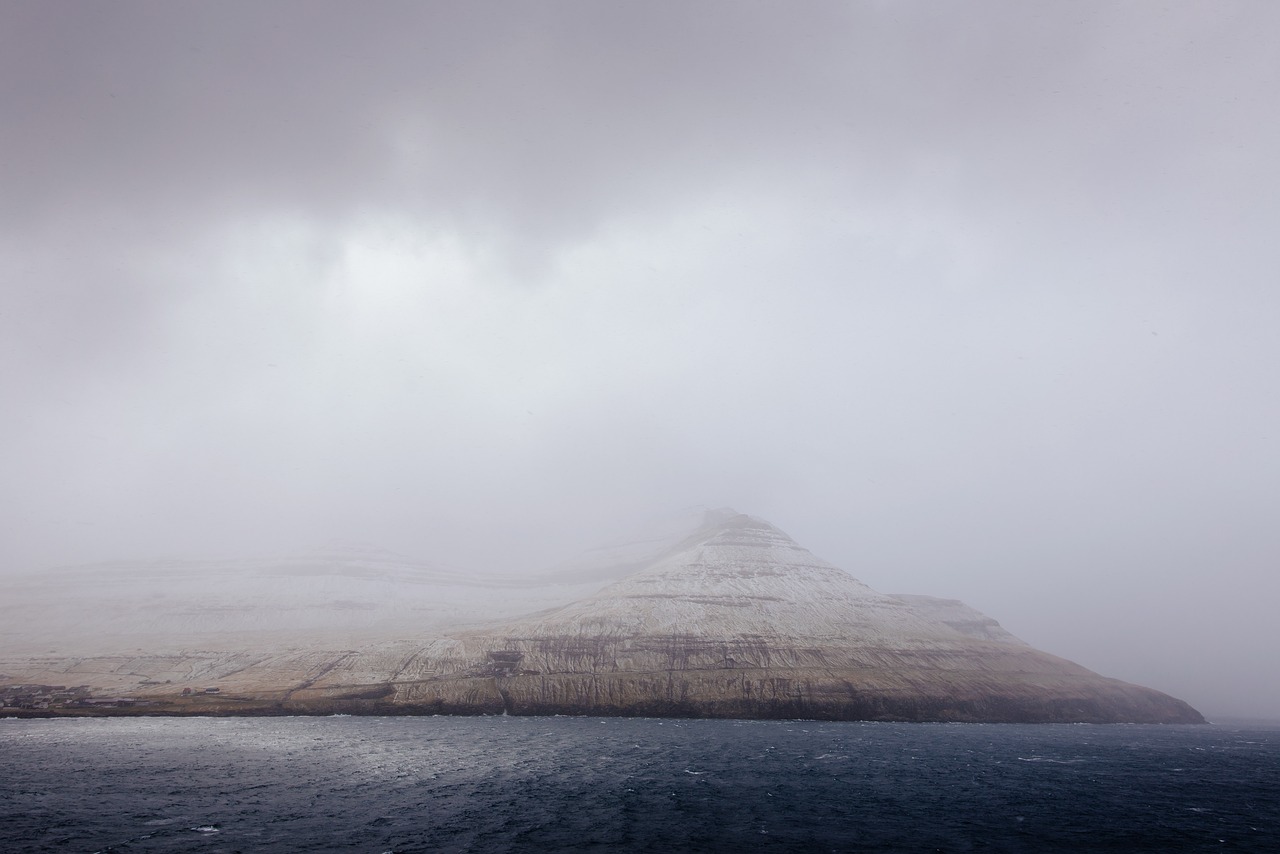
<point x="972" y="300"/>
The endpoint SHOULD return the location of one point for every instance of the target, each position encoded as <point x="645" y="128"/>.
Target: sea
<point x="579" y="784"/>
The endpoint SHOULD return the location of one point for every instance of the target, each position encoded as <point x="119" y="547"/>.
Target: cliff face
<point x="738" y="620"/>
<point x="730" y="619"/>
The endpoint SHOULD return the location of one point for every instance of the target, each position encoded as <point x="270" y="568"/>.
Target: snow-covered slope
<point x="339" y="596"/>
<point x="740" y="576"/>
<point x="738" y="620"/>
<point x="721" y="615"/>
<point x="633" y="554"/>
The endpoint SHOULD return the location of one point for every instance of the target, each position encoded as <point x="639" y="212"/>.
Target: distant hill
<point x="719" y="615"/>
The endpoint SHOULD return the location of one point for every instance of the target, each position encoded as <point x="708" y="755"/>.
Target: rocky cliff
<point x="731" y="619"/>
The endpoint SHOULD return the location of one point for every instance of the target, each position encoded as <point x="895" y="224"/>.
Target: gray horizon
<point x="972" y="301"/>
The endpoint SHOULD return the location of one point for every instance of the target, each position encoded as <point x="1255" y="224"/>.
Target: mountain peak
<point x="714" y="613"/>
<point x="731" y="525"/>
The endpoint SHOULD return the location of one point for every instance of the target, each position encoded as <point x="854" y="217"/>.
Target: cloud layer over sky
<point x="976" y="300"/>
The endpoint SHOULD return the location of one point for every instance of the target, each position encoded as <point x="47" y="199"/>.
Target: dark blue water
<point x="586" y="784"/>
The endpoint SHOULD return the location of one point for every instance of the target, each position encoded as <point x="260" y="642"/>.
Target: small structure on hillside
<point x="505" y="662"/>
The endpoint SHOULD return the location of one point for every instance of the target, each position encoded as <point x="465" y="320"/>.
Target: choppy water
<point x="587" y="784"/>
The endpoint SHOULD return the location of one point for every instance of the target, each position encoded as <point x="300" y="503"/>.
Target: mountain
<point x="724" y="617"/>
<point x="350" y="593"/>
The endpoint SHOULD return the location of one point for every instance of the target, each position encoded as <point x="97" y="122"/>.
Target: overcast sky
<point x="973" y="299"/>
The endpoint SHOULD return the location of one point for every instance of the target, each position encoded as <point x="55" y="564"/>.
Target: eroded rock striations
<point x="732" y="620"/>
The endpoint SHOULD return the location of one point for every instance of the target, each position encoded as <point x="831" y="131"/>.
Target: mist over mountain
<point x="974" y="300"/>
<point x="721" y="615"/>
